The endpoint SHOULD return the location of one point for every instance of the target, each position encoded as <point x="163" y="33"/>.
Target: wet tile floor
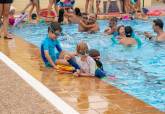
<point x="17" y="97"/>
<point x="86" y="95"/>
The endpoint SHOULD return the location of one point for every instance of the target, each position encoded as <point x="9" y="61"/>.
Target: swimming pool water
<point x="139" y="71"/>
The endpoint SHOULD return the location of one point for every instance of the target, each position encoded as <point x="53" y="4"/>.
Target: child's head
<point x="61" y="15"/>
<point x="84" y="17"/>
<point x="121" y="30"/>
<point x="82" y="48"/>
<point x="113" y="22"/>
<point x="95" y="54"/>
<point x="54" y="30"/>
<point x="128" y="31"/>
<point x="92" y="18"/>
<point x="145" y="10"/>
<point x="77" y="11"/>
<point x="34" y="16"/>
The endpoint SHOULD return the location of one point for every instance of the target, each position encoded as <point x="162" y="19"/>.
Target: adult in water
<point x="158" y="28"/>
<point x="4" y="12"/>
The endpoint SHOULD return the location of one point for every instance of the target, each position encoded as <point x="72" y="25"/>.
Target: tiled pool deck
<point x="17" y="97"/>
<point x="84" y="94"/>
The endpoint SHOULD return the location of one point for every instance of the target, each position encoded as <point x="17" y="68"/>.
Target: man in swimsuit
<point x="158" y="28"/>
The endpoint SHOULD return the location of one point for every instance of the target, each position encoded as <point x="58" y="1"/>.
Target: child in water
<point x="112" y="29"/>
<point x="95" y="54"/>
<point x="87" y="64"/>
<point x="128" y="40"/>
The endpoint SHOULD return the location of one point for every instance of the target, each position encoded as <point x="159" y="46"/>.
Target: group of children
<point x="85" y="62"/>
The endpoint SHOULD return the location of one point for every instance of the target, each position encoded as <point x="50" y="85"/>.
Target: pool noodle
<point x="139" y="42"/>
<point x="114" y="40"/>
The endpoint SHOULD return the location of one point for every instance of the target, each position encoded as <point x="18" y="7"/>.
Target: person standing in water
<point x="158" y="28"/>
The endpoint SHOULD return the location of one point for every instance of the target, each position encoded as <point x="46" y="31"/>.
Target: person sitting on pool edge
<point x="90" y="25"/>
<point x="87" y="64"/>
<point x="95" y="54"/>
<point x="128" y="40"/>
<point x="52" y="57"/>
<point x="158" y="28"/>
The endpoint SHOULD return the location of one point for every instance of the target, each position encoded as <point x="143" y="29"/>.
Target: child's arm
<point x="49" y="58"/>
<point x="87" y="26"/>
<point x="58" y="46"/>
<point x="108" y="31"/>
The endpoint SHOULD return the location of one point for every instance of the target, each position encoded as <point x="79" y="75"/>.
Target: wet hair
<point x="54" y="26"/>
<point x="85" y="15"/>
<point x="34" y="16"/>
<point x="114" y="19"/>
<point x="119" y="28"/>
<point x="77" y="12"/>
<point x="61" y="15"/>
<point x="145" y="10"/>
<point x="128" y="31"/>
<point x="94" y="53"/>
<point x="158" y="22"/>
<point x="82" y="48"/>
<point x="138" y="11"/>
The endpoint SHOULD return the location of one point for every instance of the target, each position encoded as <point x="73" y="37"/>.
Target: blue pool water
<point x="139" y="71"/>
